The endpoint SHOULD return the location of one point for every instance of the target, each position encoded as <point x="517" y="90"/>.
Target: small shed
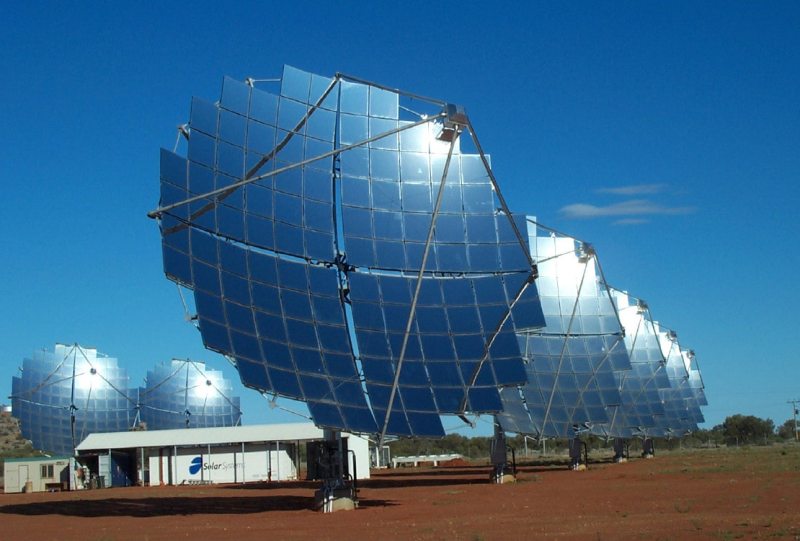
<point x="39" y="474"/>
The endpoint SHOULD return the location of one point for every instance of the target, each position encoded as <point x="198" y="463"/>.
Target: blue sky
<point x="666" y="134"/>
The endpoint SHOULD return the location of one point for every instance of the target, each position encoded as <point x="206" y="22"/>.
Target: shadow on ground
<point x="427" y="479"/>
<point x="273" y="485"/>
<point x="159" y="507"/>
<point x="399" y="477"/>
<point x="387" y="482"/>
<point x="433" y="472"/>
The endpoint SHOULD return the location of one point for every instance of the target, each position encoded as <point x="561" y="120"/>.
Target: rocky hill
<point x="11" y="441"/>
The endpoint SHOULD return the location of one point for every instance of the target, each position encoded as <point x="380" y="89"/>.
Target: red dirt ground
<point x="714" y="494"/>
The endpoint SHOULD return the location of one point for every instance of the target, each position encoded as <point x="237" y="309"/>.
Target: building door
<point x="23" y="477"/>
<point x="104" y="470"/>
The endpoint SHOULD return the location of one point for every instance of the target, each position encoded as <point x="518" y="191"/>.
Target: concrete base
<point x="342" y="500"/>
<point x="503" y="479"/>
<point x="620" y="459"/>
<point x="579" y="467"/>
<point x="647" y="455"/>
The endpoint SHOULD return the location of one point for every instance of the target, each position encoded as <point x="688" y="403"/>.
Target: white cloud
<point x="634" y="189"/>
<point x="632" y="207"/>
<point x="631" y="221"/>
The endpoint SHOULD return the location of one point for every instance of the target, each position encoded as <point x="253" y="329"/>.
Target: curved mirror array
<point x="572" y="361"/>
<point x="348" y="246"/>
<point x="303" y="220"/>
<point x="62" y="396"/>
<point x="682" y="408"/>
<point x="186" y="394"/>
<point x="641" y="412"/>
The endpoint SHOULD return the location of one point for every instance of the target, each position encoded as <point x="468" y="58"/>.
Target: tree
<point x="739" y="429"/>
<point x="786" y="430"/>
<point x="703" y="437"/>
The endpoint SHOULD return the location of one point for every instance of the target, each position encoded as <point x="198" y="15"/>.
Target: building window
<point x="47" y="471"/>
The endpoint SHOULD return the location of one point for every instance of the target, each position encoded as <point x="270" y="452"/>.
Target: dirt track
<point x="714" y="494"/>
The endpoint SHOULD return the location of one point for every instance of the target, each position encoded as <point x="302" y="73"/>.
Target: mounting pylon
<point x="795" y="411"/>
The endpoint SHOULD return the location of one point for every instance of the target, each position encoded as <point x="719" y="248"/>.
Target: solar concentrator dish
<point x="682" y="409"/>
<point x="641" y="412"/>
<point x="695" y="378"/>
<point x="186" y="394"/>
<point x="696" y="386"/>
<point x="62" y="396"/>
<point x="346" y="252"/>
<point x="572" y="361"/>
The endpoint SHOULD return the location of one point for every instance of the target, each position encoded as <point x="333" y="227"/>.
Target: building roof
<point x="56" y="458"/>
<point x="200" y="436"/>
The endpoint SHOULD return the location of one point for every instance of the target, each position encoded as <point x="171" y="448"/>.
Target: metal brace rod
<point x="523" y="246"/>
<point x="273" y="404"/>
<point x="553" y="230"/>
<point x="214" y="385"/>
<point x="500" y="197"/>
<point x="684" y="383"/>
<point x="539" y="429"/>
<point x="475" y="371"/>
<point x="608" y="292"/>
<point x="253" y="170"/>
<point x="564" y="349"/>
<point x="434" y="101"/>
<point x="46" y="381"/>
<point x="188" y="316"/>
<point x="633" y="348"/>
<point x="420" y="275"/>
<point x="166" y="208"/>
<point x="625" y="376"/>
<point x="186" y="395"/>
<point x="676" y="344"/>
<point x="594" y="374"/>
<point x="613" y="421"/>
<point x="620" y="339"/>
<point x="661" y="365"/>
<point x="72" y="407"/>
<point x="666" y="361"/>
<point x="119" y="391"/>
<point x="555" y="256"/>
<point x="89" y="394"/>
<point x="531" y="427"/>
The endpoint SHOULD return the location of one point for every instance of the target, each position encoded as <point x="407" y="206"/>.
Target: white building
<point x="39" y="474"/>
<point x="238" y="454"/>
